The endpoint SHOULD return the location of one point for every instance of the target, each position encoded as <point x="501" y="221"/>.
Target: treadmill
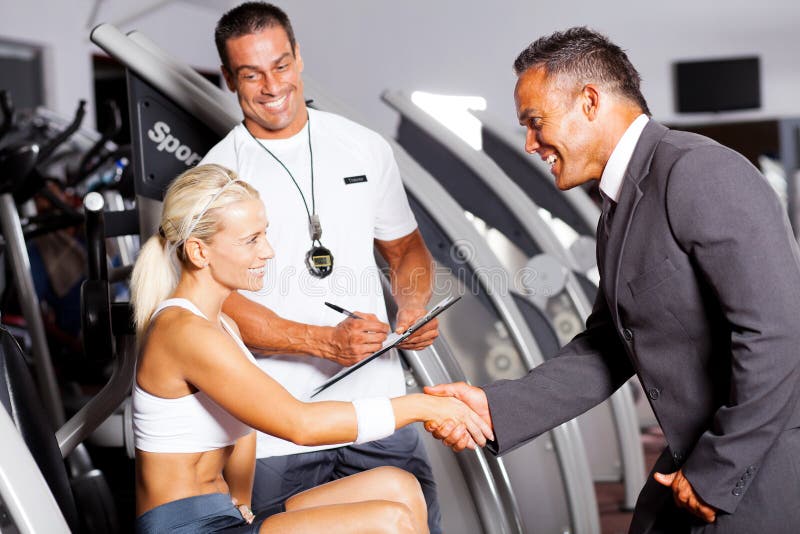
<point x="553" y="279"/>
<point x="492" y="337"/>
<point x="478" y="492"/>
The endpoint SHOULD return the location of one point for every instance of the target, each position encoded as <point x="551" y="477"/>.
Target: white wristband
<point x="375" y="418"/>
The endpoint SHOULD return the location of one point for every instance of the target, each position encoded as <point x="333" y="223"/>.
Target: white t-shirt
<point x="359" y="197"/>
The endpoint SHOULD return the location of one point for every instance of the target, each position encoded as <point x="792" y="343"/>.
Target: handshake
<point x="469" y="424"/>
<point x="462" y="419"/>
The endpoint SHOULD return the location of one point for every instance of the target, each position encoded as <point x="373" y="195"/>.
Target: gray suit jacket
<point x="700" y="297"/>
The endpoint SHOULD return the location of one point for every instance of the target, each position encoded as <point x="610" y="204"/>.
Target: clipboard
<point x="391" y="342"/>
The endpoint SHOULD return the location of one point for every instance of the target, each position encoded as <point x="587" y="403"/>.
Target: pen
<point x="342" y="310"/>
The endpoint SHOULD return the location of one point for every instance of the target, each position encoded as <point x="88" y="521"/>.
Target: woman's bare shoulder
<point x="169" y="349"/>
<point x="182" y="334"/>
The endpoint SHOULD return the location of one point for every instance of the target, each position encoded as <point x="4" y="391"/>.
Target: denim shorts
<point x="199" y="514"/>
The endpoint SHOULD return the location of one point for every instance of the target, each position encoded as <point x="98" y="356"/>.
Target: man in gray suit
<point x="699" y="296"/>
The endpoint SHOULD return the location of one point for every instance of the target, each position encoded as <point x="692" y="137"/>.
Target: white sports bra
<point x="192" y="423"/>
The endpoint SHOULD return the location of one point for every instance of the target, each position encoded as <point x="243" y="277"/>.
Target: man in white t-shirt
<point x="332" y="191"/>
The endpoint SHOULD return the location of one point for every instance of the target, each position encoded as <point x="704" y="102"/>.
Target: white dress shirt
<point x="614" y="172"/>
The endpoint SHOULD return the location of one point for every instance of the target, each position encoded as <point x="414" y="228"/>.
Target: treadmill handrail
<point x="203" y="84"/>
<point x="81" y="425"/>
<point x="575" y="468"/>
<point x="576" y="197"/>
<point x="491" y="498"/>
<point x="23" y="489"/>
<point x="485" y="475"/>
<point x="480" y="259"/>
<point x="482" y="165"/>
<point x="151" y="68"/>
<point x="29" y="301"/>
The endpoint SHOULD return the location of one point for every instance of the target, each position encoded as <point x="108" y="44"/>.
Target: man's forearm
<point x="411" y="270"/>
<point x="412" y="285"/>
<point x="268" y="333"/>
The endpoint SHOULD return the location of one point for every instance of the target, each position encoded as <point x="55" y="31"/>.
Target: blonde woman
<point x="198" y="393"/>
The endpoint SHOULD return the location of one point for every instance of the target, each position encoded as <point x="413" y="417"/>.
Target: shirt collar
<point x="614" y="172"/>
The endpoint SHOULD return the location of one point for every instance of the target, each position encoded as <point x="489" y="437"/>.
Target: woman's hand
<point x="244" y="509"/>
<point x="453" y="434"/>
<point x="449" y="411"/>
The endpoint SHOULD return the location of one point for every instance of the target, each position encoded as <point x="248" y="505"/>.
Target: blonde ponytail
<point x="153" y="280"/>
<point x="191" y="209"/>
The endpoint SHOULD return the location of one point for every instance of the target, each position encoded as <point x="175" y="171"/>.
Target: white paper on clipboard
<point x="392" y="340"/>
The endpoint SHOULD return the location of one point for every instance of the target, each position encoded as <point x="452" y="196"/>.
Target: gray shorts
<point x="200" y="514"/>
<point x="279" y="477"/>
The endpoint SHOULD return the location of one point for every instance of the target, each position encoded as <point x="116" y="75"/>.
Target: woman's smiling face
<point x="238" y="252"/>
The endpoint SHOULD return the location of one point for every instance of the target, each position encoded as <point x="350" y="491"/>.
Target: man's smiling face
<point x="264" y="72"/>
<point x="557" y="129"/>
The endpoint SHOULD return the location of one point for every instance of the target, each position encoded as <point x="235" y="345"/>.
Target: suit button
<point x="737" y="491"/>
<point x="653" y="393"/>
<point x="627" y="334"/>
<point x="677" y="456"/>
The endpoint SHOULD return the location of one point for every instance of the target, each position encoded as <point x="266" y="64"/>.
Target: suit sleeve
<point x="585" y="372"/>
<point x="725" y="216"/>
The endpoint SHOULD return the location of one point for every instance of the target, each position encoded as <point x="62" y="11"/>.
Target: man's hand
<point x="685" y="496"/>
<point x="455" y="435"/>
<point x="422" y="337"/>
<point x="352" y="340"/>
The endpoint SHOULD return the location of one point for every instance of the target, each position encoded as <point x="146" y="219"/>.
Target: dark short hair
<point x="587" y="56"/>
<point x="247" y="18"/>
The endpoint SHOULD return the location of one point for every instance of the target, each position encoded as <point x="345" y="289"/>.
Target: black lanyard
<point x="319" y="259"/>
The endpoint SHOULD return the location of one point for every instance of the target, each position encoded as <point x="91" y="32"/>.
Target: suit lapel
<point x="630" y="195"/>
